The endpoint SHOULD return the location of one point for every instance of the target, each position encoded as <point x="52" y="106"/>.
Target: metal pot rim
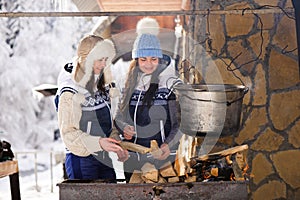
<point x="209" y="87"/>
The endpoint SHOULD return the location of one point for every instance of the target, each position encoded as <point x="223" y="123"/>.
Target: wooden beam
<point x="147" y="13"/>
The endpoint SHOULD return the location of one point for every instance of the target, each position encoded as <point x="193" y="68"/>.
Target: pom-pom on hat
<point x="92" y="48"/>
<point x="147" y="43"/>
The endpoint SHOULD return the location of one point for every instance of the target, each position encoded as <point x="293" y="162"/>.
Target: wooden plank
<point x="8" y="168"/>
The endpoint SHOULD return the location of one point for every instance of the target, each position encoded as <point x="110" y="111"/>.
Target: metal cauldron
<point x="210" y="109"/>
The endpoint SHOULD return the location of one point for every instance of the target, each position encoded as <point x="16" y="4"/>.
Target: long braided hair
<point x="100" y="84"/>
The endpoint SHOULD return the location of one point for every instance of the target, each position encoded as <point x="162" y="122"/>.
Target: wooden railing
<point x="35" y="163"/>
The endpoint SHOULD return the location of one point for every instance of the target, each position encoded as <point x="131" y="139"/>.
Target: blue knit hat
<point x="147" y="43"/>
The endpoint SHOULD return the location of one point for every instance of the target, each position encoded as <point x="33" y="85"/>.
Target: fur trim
<point x="147" y="25"/>
<point x="102" y="49"/>
<point x="107" y="75"/>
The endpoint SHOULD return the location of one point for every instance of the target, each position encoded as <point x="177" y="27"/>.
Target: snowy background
<point x="32" y="52"/>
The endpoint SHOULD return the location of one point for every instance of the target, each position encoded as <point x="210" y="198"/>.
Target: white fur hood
<point x="102" y="49"/>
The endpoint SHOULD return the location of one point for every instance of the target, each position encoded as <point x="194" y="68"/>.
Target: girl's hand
<point x="128" y="132"/>
<point x="110" y="144"/>
<point x="165" y="151"/>
<point x="123" y="155"/>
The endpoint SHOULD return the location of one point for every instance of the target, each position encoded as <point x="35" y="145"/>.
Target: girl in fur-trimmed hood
<point x="84" y="114"/>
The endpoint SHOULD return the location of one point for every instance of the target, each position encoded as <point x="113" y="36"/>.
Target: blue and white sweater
<point x="160" y="121"/>
<point x="83" y="119"/>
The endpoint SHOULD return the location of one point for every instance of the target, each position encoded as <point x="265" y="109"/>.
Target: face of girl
<point x="99" y="65"/>
<point x="148" y="64"/>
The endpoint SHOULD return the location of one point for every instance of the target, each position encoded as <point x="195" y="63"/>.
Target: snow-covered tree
<point x="32" y="52"/>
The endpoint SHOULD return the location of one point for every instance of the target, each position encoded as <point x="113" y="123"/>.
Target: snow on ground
<point x="43" y="184"/>
<point x="31" y="187"/>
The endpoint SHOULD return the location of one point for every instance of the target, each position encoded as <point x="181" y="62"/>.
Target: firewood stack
<point x="227" y="165"/>
<point x="149" y="174"/>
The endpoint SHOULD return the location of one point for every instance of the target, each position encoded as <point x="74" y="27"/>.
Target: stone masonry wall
<point x="261" y="50"/>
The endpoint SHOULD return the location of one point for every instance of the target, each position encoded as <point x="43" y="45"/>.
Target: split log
<point x="149" y="172"/>
<point x="129" y="145"/>
<point x="161" y="180"/>
<point x="136" y="177"/>
<point x="174" y="179"/>
<point x="134" y="147"/>
<point x="190" y="179"/>
<point x="147" y="180"/>
<point x="180" y="165"/>
<point x="167" y="170"/>
<point x="154" y="149"/>
<point x="186" y="150"/>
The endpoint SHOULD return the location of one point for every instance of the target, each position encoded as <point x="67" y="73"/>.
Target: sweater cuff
<point x="91" y="143"/>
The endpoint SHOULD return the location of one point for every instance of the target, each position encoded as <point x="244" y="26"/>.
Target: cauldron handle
<point x="245" y="91"/>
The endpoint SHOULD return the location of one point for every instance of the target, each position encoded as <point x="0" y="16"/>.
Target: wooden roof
<point x="142" y="5"/>
<point x="130" y="5"/>
<point x="87" y="5"/>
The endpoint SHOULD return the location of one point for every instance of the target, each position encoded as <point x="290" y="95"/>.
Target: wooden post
<point x="15" y="186"/>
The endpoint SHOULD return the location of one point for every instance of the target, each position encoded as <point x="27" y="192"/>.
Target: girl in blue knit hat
<point x="148" y="110"/>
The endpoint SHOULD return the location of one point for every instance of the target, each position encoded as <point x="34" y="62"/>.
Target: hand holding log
<point x="129" y="145"/>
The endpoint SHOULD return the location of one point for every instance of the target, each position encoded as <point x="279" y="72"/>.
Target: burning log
<point x="208" y="166"/>
<point x="221" y="154"/>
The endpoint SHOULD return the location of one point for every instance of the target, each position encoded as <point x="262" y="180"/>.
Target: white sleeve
<point x="69" y="114"/>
